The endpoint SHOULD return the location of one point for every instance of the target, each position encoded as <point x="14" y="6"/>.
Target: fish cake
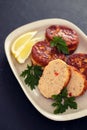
<point x="77" y="84"/>
<point x="42" y="53"/>
<point x="78" y="60"/>
<point x="55" y="77"/>
<point x="69" y="35"/>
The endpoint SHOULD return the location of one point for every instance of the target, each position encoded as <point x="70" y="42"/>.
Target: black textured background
<point x="16" y="112"/>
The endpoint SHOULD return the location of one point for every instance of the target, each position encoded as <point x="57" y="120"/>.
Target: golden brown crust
<point x="70" y="36"/>
<point x="79" y="61"/>
<point x="34" y="62"/>
<point x="42" y="53"/>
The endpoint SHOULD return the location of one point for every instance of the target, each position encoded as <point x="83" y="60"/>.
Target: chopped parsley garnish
<point x="63" y="102"/>
<point x="32" y="75"/>
<point x="60" y="43"/>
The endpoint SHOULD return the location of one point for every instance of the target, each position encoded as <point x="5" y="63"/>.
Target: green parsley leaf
<point x="32" y="75"/>
<point x="60" y="43"/>
<point x="70" y="102"/>
<point x="62" y="102"/>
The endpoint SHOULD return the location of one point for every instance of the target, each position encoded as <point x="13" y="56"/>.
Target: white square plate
<point x="42" y="104"/>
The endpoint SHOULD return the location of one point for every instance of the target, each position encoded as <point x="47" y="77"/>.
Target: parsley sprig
<point x="32" y="75"/>
<point x="60" y="43"/>
<point x="63" y="102"/>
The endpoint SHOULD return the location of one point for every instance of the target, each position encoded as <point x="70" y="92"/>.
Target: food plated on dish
<point x="54" y="42"/>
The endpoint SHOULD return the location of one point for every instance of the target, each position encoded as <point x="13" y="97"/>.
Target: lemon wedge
<point x="26" y="50"/>
<point x="21" y="47"/>
<point x="20" y="41"/>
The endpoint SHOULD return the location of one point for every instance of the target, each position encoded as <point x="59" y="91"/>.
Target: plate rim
<point x="51" y="116"/>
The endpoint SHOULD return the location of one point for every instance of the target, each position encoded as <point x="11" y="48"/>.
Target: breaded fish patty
<point x="79" y="61"/>
<point x="77" y="84"/>
<point x="42" y="53"/>
<point x="69" y="35"/>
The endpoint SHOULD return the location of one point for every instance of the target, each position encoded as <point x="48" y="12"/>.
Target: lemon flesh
<point x="20" y="41"/>
<point x="25" y="52"/>
<point x="21" y="47"/>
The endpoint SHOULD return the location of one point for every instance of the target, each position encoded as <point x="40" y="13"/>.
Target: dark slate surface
<point x="16" y="112"/>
